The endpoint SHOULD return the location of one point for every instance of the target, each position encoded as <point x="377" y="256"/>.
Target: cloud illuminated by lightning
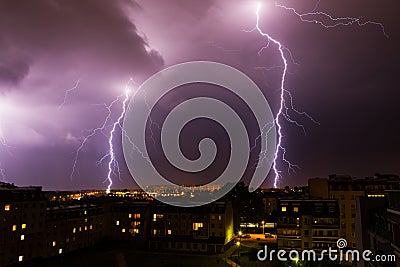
<point x="285" y="54"/>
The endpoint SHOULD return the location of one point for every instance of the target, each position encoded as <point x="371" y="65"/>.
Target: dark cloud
<point x="13" y="70"/>
<point x="79" y="32"/>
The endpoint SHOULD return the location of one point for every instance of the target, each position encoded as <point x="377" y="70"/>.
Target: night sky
<point x="345" y="77"/>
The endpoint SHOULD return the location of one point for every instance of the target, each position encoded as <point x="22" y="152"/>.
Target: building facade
<point x="384" y="231"/>
<point x="205" y="229"/>
<point x="22" y="223"/>
<point x="305" y="224"/>
<point x="34" y="228"/>
<point x="345" y="190"/>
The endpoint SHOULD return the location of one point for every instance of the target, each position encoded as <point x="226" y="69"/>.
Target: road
<point x="256" y="240"/>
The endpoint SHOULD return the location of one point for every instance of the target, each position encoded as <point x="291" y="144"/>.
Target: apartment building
<point x="346" y="189"/>
<point x="205" y="229"/>
<point x="22" y="223"/>
<point x="307" y="224"/>
<point x="34" y="228"/>
<point x="69" y="228"/>
<point x="384" y="231"/>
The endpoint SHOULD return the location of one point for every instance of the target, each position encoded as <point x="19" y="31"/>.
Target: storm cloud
<point x="346" y="78"/>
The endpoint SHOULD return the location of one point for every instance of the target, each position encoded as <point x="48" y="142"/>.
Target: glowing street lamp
<point x="238" y="255"/>
<point x="263" y="224"/>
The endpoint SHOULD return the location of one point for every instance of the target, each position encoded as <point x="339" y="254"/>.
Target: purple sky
<point x="346" y="78"/>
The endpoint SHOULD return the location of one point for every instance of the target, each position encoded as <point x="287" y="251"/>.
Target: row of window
<point x="161" y="216"/>
<point x="14" y="227"/>
<point x="317" y="209"/>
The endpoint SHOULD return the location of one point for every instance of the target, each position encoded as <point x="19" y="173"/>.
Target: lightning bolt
<point x="287" y="105"/>
<point x="4" y="144"/>
<point x="69" y="91"/>
<point x="109" y="129"/>
<point x="281" y="49"/>
<point x="112" y="162"/>
<point x="2" y="173"/>
<point x="310" y="17"/>
<point x="112" y="165"/>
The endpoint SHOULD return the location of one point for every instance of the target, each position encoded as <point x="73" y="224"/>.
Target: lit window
<point x="22" y="237"/>
<point x="219" y="217"/>
<point x="91" y="227"/>
<point x="85" y="219"/>
<point x="14" y="227"/>
<point x="137" y="216"/>
<point x="116" y="222"/>
<point x="85" y="228"/>
<point x="296" y="209"/>
<point x="283" y="208"/>
<point x="130" y="216"/>
<point x="74" y="230"/>
<point x="54" y="243"/>
<point x="136" y="231"/>
<point x="60" y="251"/>
<point x="85" y="212"/>
<point x="20" y="258"/>
<point x="169" y="232"/>
<point x="23" y="226"/>
<point x="123" y="230"/>
<point x="80" y="229"/>
<point x="196" y="226"/>
<point x="7" y="207"/>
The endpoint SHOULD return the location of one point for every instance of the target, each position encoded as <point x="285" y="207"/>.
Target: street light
<point x="238" y="255"/>
<point x="263" y="223"/>
<point x="238" y="245"/>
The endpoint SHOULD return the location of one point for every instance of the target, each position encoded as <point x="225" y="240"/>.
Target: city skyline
<point x="60" y="62"/>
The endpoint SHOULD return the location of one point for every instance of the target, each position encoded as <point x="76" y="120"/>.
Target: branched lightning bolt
<point x="109" y="129"/>
<point x="310" y="17"/>
<point x="112" y="162"/>
<point x="285" y="54"/>
<point x="281" y="49"/>
<point x="113" y="166"/>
